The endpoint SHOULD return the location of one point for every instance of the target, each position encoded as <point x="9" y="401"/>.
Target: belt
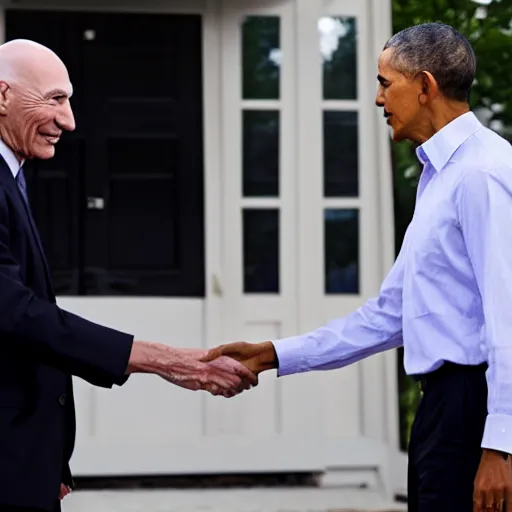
<point x="424" y="381"/>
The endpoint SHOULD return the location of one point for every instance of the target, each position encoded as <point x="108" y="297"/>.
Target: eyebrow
<point x="58" y="92"/>
<point x="382" y="80"/>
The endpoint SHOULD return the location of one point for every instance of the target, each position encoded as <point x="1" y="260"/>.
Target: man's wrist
<point x="145" y="357"/>
<point x="498" y="453"/>
<point x="268" y="359"/>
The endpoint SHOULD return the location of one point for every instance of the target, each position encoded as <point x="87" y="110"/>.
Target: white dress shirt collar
<point x="440" y="148"/>
<point x="10" y="158"/>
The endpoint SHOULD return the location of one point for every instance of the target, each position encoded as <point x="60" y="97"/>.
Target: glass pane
<point x="338" y="45"/>
<point x="261" y="250"/>
<point x="341" y="155"/>
<point x="341" y="232"/>
<point x="260" y="153"/>
<point x="261" y="57"/>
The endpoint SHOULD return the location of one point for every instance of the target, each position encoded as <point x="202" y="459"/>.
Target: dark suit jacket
<point x="41" y="347"/>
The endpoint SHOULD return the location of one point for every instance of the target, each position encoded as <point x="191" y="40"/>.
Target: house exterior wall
<point x="342" y="423"/>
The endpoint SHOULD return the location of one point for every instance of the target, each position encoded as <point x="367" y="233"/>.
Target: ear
<point x="429" y="87"/>
<point x="5" y="97"/>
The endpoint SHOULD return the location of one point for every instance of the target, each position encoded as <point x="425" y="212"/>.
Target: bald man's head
<point x="34" y="99"/>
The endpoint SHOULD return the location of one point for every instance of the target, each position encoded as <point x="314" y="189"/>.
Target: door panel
<point x="126" y="212"/>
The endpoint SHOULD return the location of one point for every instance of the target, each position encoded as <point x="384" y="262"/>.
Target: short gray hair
<point x="439" y="49"/>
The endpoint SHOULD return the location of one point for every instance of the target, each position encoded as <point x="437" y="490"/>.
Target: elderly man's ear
<point x="5" y="96"/>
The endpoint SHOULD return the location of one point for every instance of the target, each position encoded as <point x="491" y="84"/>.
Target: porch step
<point x="231" y="500"/>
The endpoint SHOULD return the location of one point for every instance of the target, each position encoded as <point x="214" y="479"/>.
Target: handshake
<point x="227" y="370"/>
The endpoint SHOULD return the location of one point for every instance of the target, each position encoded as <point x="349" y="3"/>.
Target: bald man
<point x="42" y="346"/>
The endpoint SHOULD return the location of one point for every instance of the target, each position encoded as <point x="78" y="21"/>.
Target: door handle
<point x="95" y="203"/>
<point x="90" y="35"/>
<point x="216" y="286"/>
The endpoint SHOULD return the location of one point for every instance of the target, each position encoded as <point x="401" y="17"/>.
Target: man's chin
<point x="44" y="153"/>
<point x="398" y="136"/>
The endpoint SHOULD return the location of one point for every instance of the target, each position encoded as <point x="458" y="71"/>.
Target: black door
<point x="120" y="206"/>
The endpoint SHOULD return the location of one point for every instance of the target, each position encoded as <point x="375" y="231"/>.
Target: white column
<point x="302" y="405"/>
<point x="381" y="29"/>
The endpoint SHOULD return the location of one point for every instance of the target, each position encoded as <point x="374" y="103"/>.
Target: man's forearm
<point x="183" y="367"/>
<point x="155" y="358"/>
<point x="142" y="357"/>
<point x="375" y="327"/>
<point x="369" y="330"/>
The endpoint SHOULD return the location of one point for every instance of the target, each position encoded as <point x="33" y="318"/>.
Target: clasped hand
<point x="222" y="375"/>
<point x="226" y="370"/>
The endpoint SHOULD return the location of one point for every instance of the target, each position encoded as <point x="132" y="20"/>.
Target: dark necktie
<point x="22" y="184"/>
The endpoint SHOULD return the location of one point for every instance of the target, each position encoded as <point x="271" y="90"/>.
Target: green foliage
<point x="489" y="30"/>
<point x="490" y="35"/>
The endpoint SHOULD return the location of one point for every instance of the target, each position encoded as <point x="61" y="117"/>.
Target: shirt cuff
<point x="498" y="433"/>
<point x="290" y="355"/>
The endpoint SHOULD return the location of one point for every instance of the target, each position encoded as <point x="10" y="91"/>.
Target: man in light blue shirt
<point x="448" y="298"/>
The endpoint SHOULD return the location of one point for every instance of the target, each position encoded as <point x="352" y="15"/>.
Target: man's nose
<point x="379" y="101"/>
<point x="65" y="118"/>
<point x="379" y="98"/>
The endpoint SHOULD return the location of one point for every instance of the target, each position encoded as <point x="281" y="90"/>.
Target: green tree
<point x="488" y="27"/>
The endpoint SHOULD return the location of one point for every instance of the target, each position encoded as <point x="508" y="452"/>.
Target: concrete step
<point x="230" y="500"/>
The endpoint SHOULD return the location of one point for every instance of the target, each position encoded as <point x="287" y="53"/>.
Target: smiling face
<point x="34" y="102"/>
<point x="402" y="98"/>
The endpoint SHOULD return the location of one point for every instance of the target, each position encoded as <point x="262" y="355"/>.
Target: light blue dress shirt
<point x="448" y="296"/>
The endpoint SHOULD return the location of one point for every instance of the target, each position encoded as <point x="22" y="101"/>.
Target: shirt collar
<point x="10" y="158"/>
<point x="440" y="147"/>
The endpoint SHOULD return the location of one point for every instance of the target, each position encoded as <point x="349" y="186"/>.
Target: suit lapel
<point x="7" y="179"/>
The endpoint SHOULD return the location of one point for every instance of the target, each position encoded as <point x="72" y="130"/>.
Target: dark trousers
<point x="57" y="508"/>
<point x="445" y="447"/>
